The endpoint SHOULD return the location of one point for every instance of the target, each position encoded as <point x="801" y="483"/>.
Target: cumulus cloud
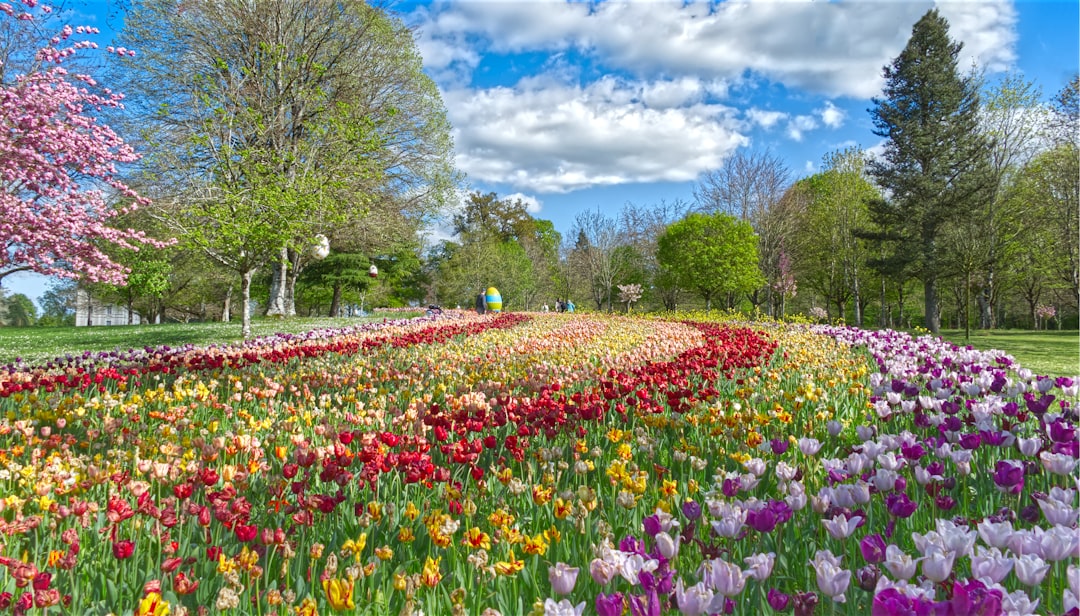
<point x="799" y="125"/>
<point x="532" y="204"/>
<point x="546" y="136"/>
<point x="831" y="115"/>
<point x="662" y="111"/>
<point x="765" y="119"/>
<point x="830" y="48"/>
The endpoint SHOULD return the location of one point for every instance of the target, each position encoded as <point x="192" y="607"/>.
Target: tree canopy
<point x="934" y="162"/>
<point x="711" y="254"/>
<point x="59" y="185"/>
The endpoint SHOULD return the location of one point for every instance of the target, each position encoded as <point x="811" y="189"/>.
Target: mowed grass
<point x="36" y="345"/>
<point x="1051" y="352"/>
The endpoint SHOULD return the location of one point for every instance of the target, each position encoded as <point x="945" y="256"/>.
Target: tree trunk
<point x="985" y="300"/>
<point x="225" y="314"/>
<point x="857" y="297"/>
<point x="277" y="307"/>
<point x="290" y="285"/>
<point x="335" y="303"/>
<point x="245" y="295"/>
<point x="933" y="318"/>
<point x="131" y="311"/>
<point x="882" y="323"/>
<point x="967" y="308"/>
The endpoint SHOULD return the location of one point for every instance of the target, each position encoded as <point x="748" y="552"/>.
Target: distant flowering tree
<point x="629" y="293"/>
<point x="1043" y="314"/>
<point x="58" y="175"/>
<point x="785" y="281"/>
<point x="818" y="313"/>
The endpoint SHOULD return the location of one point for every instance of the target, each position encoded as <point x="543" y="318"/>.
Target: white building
<point x="89" y="311"/>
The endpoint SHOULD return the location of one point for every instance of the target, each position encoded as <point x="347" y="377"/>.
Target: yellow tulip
<point x="431" y="575"/>
<point x="153" y="605"/>
<point x="339" y="592"/>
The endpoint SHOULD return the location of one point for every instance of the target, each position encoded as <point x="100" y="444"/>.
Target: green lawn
<point x="1055" y="353"/>
<point x="39" y="344"/>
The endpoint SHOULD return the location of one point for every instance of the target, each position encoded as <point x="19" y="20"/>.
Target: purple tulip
<point x="763" y="520"/>
<point x="778" y="446"/>
<point x="973" y="597"/>
<point x="1009" y="476"/>
<point x="632" y="545"/>
<point x="892" y="602"/>
<point x="1062" y="431"/>
<point x="1070" y="448"/>
<point x="970" y="440"/>
<point x="778" y="601"/>
<point x="780" y="509"/>
<point x="609" y="605"/>
<point x="900" y="505"/>
<point x="945" y="502"/>
<point x="649" y="605"/>
<point x="691" y="509"/>
<point x="912" y="453"/>
<point x="652" y="525"/>
<point x="1030" y="514"/>
<point x="873" y="548"/>
<point x="731" y="487"/>
<point x="805" y="602"/>
<point x="996" y="438"/>
<point x="867" y="577"/>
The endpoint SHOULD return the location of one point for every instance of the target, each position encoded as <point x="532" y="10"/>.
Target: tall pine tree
<point x="933" y="167"/>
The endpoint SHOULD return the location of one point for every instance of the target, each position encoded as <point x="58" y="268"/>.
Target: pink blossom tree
<point x="59" y="184"/>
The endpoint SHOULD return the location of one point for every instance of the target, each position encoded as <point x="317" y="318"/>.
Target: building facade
<point x="92" y="312"/>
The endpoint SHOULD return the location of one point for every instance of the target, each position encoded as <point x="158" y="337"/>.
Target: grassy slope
<point x="1056" y="353"/>
<point x="38" y="344"/>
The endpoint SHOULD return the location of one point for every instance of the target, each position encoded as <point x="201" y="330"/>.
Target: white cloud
<point x="832" y="48"/>
<point x="545" y="136"/>
<point x="831" y="115"/>
<point x="799" y="125"/>
<point x="532" y="204"/>
<point x="765" y="119"/>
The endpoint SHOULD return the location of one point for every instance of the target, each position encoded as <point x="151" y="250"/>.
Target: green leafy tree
<point x="831" y="255"/>
<point x="271" y="122"/>
<point x="1046" y="255"/>
<point x="498" y="244"/>
<point x="20" y="311"/>
<point x="340" y="271"/>
<point x="711" y="254"/>
<point x="980" y="243"/>
<point x="58" y="304"/>
<point x="935" y="158"/>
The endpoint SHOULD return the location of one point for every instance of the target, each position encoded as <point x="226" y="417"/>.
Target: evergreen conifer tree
<point x="933" y="169"/>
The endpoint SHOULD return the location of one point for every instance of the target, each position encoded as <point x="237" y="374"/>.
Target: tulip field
<point x="516" y="464"/>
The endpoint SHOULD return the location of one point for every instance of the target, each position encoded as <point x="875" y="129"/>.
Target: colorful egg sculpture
<point x="494" y="300"/>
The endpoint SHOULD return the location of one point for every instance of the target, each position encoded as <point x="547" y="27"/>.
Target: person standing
<point x="569" y="306"/>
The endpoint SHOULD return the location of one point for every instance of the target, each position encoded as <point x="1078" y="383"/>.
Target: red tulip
<point x="123" y="549"/>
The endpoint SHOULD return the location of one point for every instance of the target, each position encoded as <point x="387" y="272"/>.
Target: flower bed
<point x="561" y="464"/>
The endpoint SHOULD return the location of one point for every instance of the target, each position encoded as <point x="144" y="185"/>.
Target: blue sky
<point x="582" y="105"/>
